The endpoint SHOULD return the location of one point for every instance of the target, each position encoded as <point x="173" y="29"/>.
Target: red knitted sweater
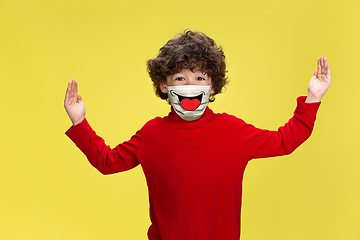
<point x="194" y="170"/>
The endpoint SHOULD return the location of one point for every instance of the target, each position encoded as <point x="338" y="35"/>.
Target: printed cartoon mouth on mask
<point x="190" y="103"/>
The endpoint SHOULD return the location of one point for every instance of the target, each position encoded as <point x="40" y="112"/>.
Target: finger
<point x="79" y="98"/>
<point x="72" y="88"/>
<point x="322" y="63"/>
<point x="325" y="66"/>
<point x="68" y="88"/>
<point x="328" y="75"/>
<point x="67" y="92"/>
<point x="315" y="73"/>
<point x="76" y="88"/>
<point x="319" y="67"/>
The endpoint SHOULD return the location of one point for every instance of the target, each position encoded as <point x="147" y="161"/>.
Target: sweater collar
<point x="174" y="118"/>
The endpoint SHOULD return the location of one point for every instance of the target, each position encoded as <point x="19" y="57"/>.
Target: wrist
<point x="76" y="122"/>
<point x="311" y="99"/>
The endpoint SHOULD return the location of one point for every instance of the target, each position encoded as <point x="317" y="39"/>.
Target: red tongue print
<point x="190" y="105"/>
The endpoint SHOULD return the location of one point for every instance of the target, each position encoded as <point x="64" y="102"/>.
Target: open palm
<point x="74" y="105"/>
<point x="320" y="82"/>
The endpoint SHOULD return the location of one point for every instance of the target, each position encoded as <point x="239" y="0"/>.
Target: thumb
<point x="315" y="73"/>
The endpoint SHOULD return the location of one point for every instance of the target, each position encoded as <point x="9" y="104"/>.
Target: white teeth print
<point x="189" y="101"/>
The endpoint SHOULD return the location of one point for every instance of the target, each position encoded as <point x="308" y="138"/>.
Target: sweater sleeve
<point x="264" y="143"/>
<point x="107" y="160"/>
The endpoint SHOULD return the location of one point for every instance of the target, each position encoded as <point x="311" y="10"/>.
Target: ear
<point x="163" y="87"/>
<point x="212" y="90"/>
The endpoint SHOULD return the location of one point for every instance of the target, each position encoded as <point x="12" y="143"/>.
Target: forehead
<point x="191" y="64"/>
<point x="188" y="71"/>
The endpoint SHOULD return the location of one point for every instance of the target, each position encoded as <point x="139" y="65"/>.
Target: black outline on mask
<point x="180" y="98"/>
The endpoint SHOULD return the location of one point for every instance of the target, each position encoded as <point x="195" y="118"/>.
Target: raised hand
<point x="320" y="81"/>
<point x="74" y="105"/>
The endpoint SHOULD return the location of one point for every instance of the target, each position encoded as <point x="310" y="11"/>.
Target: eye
<point x="200" y="79"/>
<point x="179" y="79"/>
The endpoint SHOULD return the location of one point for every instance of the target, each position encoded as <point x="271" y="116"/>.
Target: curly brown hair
<point x="190" y="50"/>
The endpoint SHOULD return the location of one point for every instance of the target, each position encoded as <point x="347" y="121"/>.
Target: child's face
<point x="186" y="77"/>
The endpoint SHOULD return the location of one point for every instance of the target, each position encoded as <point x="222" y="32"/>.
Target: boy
<point x="194" y="159"/>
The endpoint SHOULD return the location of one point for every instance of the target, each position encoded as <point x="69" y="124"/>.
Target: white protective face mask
<point x="189" y="101"/>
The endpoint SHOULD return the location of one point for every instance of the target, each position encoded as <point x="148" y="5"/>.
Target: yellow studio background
<point x="48" y="190"/>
